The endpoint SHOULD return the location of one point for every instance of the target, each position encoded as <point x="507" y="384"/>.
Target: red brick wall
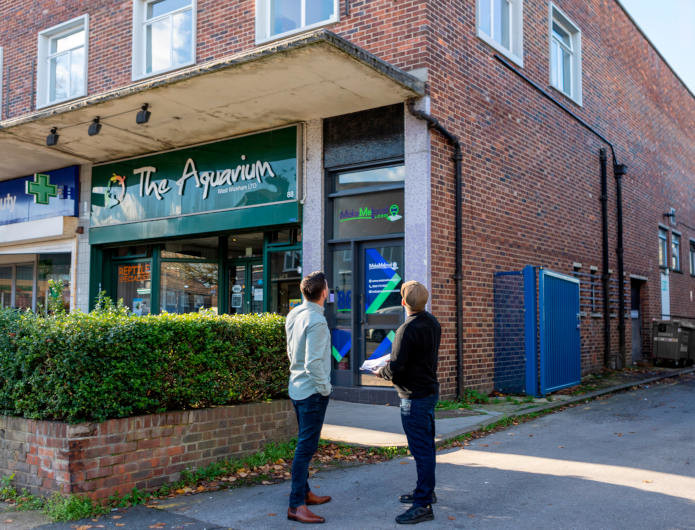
<point x="113" y="457"/>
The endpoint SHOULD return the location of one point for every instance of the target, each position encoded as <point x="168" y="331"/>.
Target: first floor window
<point x="283" y="17"/>
<point x="663" y="248"/>
<point x="565" y="55"/>
<point x="675" y="252"/>
<point x="62" y="62"/>
<point x="692" y="257"/>
<point x="163" y="35"/>
<point x="500" y="25"/>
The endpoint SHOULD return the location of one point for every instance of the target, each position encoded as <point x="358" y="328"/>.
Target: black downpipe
<point x="433" y="123"/>
<point x="618" y="170"/>
<point x="608" y="357"/>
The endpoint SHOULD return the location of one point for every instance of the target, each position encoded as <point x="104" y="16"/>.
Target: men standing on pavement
<point x="413" y="370"/>
<point x="309" y="350"/>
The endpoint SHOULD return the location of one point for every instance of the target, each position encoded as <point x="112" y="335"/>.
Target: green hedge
<point x="108" y="364"/>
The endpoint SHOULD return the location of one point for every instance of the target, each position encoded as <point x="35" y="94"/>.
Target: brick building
<point x="219" y="149"/>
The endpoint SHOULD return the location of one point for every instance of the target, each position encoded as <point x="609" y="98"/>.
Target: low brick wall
<point x="113" y="457"/>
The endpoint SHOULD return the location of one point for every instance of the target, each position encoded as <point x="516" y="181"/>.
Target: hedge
<point x="108" y="364"/>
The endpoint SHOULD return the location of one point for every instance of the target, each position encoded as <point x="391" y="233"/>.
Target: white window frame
<point x="43" y="71"/>
<point x="515" y="52"/>
<point x="263" y="32"/>
<point x="663" y="244"/>
<point x="557" y="16"/>
<point x="692" y="257"/>
<point x="676" y="239"/>
<point x="139" y="55"/>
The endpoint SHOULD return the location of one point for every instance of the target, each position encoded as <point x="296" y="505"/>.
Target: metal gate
<point x="560" y="346"/>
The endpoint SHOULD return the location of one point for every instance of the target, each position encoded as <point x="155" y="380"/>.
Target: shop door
<point x="246" y="287"/>
<point x="134" y="285"/>
<point x="381" y="312"/>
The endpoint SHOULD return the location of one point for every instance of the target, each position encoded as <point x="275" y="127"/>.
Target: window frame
<point x="263" y="31"/>
<point x="43" y="70"/>
<point x="676" y="265"/>
<point x="663" y="240"/>
<point x="692" y="257"/>
<point x="139" y="44"/>
<point x="557" y="16"/>
<point x="515" y="52"/>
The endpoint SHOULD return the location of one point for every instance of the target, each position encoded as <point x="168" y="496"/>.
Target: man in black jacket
<point x="413" y="371"/>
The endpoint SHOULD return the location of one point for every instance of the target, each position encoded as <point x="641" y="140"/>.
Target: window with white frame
<point x="663" y="248"/>
<point x="62" y="62"/>
<point x="692" y="257"/>
<point x="164" y="35"/>
<point x="675" y="252"/>
<point x="500" y="24"/>
<point x="278" y="18"/>
<point x="565" y="55"/>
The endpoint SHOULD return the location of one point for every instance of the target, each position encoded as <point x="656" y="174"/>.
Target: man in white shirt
<point x="309" y="350"/>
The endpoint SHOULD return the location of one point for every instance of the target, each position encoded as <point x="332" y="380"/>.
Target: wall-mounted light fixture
<point x="94" y="127"/>
<point x="52" y="138"/>
<point x="143" y="115"/>
<point x="671" y="214"/>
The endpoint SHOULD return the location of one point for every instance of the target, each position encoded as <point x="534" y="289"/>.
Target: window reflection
<point x="188" y="286"/>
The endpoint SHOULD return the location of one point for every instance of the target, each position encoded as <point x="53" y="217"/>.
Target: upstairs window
<point x="163" y="36"/>
<point x="279" y="18"/>
<point x="663" y="248"/>
<point x="565" y="55"/>
<point x="500" y="24"/>
<point x="675" y="252"/>
<point x="62" y="62"/>
<point x="692" y="257"/>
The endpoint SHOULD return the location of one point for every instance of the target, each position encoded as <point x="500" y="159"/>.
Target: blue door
<point x="560" y="359"/>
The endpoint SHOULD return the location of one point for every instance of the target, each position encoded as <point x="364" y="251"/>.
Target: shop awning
<point x="315" y="75"/>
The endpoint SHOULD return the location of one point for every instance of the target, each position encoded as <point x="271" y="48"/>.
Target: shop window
<point x="278" y="18"/>
<point x="134" y="286"/>
<point x="285" y="277"/>
<point x="565" y="55"/>
<point x="692" y="257"/>
<point x="24" y="286"/>
<point x="62" y="62"/>
<point x="201" y="248"/>
<point x="5" y="286"/>
<point x="133" y="251"/>
<point x="663" y="248"/>
<point x="188" y="287"/>
<point x="368" y="214"/>
<point x="370" y="177"/>
<point x="54" y="267"/>
<point x="675" y="252"/>
<point x="164" y="35"/>
<point x="245" y="245"/>
<point x="500" y="24"/>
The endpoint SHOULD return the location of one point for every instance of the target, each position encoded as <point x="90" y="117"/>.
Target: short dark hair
<point x="313" y="285"/>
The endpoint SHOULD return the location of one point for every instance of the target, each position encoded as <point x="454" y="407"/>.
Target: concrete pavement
<point x="627" y="461"/>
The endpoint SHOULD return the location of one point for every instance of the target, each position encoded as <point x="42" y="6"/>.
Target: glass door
<point x="380" y="306"/>
<point x="246" y="287"/>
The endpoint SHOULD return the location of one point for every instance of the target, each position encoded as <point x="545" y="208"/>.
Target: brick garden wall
<point x="113" y="457"/>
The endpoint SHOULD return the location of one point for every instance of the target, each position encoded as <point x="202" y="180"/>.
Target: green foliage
<point x="108" y="364"/>
<point x="71" y="508"/>
<point x="470" y="397"/>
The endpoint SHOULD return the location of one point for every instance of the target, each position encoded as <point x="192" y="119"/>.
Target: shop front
<point x="38" y="221"/>
<point x="211" y="227"/>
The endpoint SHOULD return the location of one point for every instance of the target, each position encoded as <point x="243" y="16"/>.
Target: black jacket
<point x="414" y="356"/>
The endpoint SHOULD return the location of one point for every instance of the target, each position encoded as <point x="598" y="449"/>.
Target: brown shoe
<point x="302" y="514"/>
<point x="312" y="499"/>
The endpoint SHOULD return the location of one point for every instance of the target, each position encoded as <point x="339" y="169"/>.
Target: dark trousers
<point x="310" y="414"/>
<point x="417" y="417"/>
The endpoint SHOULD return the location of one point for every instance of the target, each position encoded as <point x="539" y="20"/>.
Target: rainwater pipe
<point x="454" y="141"/>
<point x="619" y="171"/>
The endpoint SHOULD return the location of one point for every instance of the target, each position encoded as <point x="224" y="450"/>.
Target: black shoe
<point x="407" y="498"/>
<point x="416" y="514"/>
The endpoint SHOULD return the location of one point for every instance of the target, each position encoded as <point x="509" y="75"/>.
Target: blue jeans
<point x="310" y="414"/>
<point x="417" y="417"/>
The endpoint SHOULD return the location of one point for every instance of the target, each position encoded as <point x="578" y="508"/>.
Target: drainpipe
<point x="618" y="170"/>
<point x="433" y="123"/>
<point x="605" y="278"/>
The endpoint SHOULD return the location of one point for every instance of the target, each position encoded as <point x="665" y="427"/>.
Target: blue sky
<point x="670" y="25"/>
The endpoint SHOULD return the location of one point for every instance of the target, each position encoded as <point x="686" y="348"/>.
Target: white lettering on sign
<point x="147" y="186"/>
<point x="223" y="177"/>
<point x="7" y="202"/>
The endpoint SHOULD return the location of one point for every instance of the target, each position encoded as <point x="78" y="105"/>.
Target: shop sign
<point x="369" y="214"/>
<point x="132" y="273"/>
<point x="239" y="173"/>
<point x="40" y="196"/>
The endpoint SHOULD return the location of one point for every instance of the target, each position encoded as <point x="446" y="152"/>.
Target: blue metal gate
<point x="560" y="361"/>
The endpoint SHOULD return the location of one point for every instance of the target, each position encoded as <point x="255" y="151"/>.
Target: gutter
<point x="433" y="123"/>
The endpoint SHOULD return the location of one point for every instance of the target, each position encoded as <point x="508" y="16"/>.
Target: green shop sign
<point x="238" y="183"/>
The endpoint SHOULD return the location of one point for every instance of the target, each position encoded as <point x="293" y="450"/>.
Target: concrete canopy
<point x="315" y="75"/>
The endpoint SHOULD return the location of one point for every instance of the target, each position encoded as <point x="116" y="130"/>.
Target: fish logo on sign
<point x="115" y="192"/>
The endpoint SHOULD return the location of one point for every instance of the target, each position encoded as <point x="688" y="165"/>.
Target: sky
<point x="670" y="25"/>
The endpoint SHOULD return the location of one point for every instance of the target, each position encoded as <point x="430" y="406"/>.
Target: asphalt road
<point x="625" y="461"/>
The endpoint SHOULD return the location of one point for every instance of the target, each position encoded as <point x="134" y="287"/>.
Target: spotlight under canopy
<point x="143" y="115"/>
<point x="52" y="138"/>
<point x="94" y="127"/>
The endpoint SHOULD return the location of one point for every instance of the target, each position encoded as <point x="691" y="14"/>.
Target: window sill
<point x="501" y="49"/>
<point x="140" y="77"/>
<point x="265" y="40"/>
<point x="59" y="101"/>
<point x="677" y="271"/>
<point x="577" y="101"/>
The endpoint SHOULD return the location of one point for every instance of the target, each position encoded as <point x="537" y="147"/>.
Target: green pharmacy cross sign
<point x="41" y="188"/>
